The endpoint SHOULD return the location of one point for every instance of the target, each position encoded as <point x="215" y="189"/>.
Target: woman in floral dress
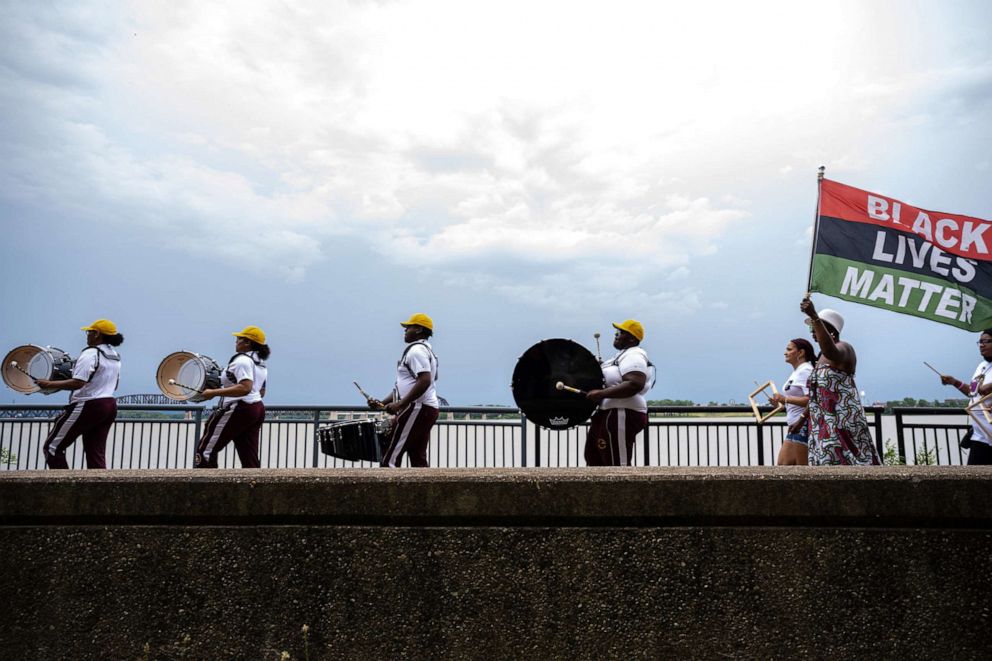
<point x="839" y="433"/>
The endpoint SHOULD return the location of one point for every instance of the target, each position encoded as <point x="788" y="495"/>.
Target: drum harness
<point x="229" y="373"/>
<point x="616" y="363"/>
<point x="99" y="352"/>
<point x="402" y="361"/>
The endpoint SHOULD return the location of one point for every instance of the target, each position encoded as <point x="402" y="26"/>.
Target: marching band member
<point x="623" y="410"/>
<point x="795" y="396"/>
<point x="979" y="444"/>
<point x="838" y="428"/>
<point x="414" y="399"/>
<point x="240" y="414"/>
<point x="92" y="408"/>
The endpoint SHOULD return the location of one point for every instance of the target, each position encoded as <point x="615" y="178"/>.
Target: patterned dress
<point x="839" y="433"/>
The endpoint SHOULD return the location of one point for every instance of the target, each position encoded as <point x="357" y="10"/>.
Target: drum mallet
<point x="23" y="371"/>
<point x="562" y="386"/>
<point x="598" y="357"/>
<point x="368" y="398"/>
<point x="173" y="382"/>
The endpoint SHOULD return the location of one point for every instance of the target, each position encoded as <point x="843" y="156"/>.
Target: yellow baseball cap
<point x="253" y="333"/>
<point x="419" y="319"/>
<point x="105" y="326"/>
<point x="632" y="327"/>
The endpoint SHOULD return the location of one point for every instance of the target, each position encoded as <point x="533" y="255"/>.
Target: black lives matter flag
<point x="878" y="251"/>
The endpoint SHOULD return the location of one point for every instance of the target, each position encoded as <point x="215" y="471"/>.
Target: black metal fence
<point x="931" y="435"/>
<point x="149" y="436"/>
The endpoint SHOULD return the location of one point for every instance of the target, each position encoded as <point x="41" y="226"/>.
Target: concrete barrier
<point x="522" y="563"/>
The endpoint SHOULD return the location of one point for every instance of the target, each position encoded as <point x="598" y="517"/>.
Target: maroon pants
<point x="90" y="419"/>
<point x="611" y="436"/>
<point x="239" y="422"/>
<point x="411" y="434"/>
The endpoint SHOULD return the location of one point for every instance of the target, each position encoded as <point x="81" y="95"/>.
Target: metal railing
<point x="149" y="436"/>
<point x="931" y="435"/>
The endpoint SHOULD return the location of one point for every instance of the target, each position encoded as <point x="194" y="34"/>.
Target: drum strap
<point x="258" y="362"/>
<point x="434" y="360"/>
<point x="653" y="372"/>
<point x="99" y="352"/>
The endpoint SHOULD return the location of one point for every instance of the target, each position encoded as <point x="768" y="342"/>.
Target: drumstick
<point x="931" y="367"/>
<point x="173" y="382"/>
<point x="20" y="369"/>
<point x="562" y="386"/>
<point x="368" y="398"/>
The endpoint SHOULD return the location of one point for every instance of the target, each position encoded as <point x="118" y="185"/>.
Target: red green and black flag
<point x="876" y="250"/>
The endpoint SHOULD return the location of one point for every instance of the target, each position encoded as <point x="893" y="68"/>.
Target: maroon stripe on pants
<point x="603" y="443"/>
<point x="240" y="423"/>
<point x="90" y="419"/>
<point x="411" y="434"/>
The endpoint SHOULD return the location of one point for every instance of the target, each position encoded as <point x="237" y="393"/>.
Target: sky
<point x="517" y="170"/>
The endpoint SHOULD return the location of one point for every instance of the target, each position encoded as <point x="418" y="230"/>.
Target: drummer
<point x="623" y="411"/>
<point x="413" y="400"/>
<point x="240" y="414"/>
<point x="92" y="407"/>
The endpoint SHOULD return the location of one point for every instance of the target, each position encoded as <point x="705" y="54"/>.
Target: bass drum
<point x="186" y="368"/>
<point x="544" y="365"/>
<point x="39" y="363"/>
<point x="355" y="440"/>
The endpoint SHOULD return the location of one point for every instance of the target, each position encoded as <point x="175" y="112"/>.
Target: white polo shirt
<point x="797" y="386"/>
<point x="245" y="366"/>
<point x="100" y="367"/>
<point x="634" y="359"/>
<point x="419" y="358"/>
<point x="978" y="431"/>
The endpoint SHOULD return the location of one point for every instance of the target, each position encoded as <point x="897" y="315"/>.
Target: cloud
<point x="268" y="130"/>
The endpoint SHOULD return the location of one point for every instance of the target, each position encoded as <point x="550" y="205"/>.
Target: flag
<point x="876" y="250"/>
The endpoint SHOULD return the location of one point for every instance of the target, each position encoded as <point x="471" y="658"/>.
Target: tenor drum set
<point x="355" y="440"/>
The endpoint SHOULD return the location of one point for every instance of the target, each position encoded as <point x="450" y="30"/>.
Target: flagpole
<point x="816" y="227"/>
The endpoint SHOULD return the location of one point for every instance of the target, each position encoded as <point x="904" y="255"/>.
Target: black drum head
<point x="537" y="372"/>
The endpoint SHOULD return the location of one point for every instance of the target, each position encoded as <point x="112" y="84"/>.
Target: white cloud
<point x="451" y="136"/>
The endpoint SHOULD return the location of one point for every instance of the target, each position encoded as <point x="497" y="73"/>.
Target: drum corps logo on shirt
<point x="558" y="421"/>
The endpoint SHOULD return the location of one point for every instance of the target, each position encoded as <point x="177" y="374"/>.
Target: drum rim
<point x="5" y="369"/>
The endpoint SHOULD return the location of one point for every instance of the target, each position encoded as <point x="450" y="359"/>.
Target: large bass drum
<point x="537" y="372"/>
<point x="39" y="363"/>
<point x="355" y="440"/>
<point x="188" y="372"/>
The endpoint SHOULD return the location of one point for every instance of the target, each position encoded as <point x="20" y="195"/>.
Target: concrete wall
<point x="523" y="563"/>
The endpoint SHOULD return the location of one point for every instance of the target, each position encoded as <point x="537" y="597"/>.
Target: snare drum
<point x="355" y="440"/>
<point x="39" y="363"/>
<point x="194" y="370"/>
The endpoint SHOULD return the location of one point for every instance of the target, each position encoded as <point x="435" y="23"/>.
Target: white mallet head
<point x="13" y="363"/>
<point x="172" y="382"/>
<point x="559" y="386"/>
